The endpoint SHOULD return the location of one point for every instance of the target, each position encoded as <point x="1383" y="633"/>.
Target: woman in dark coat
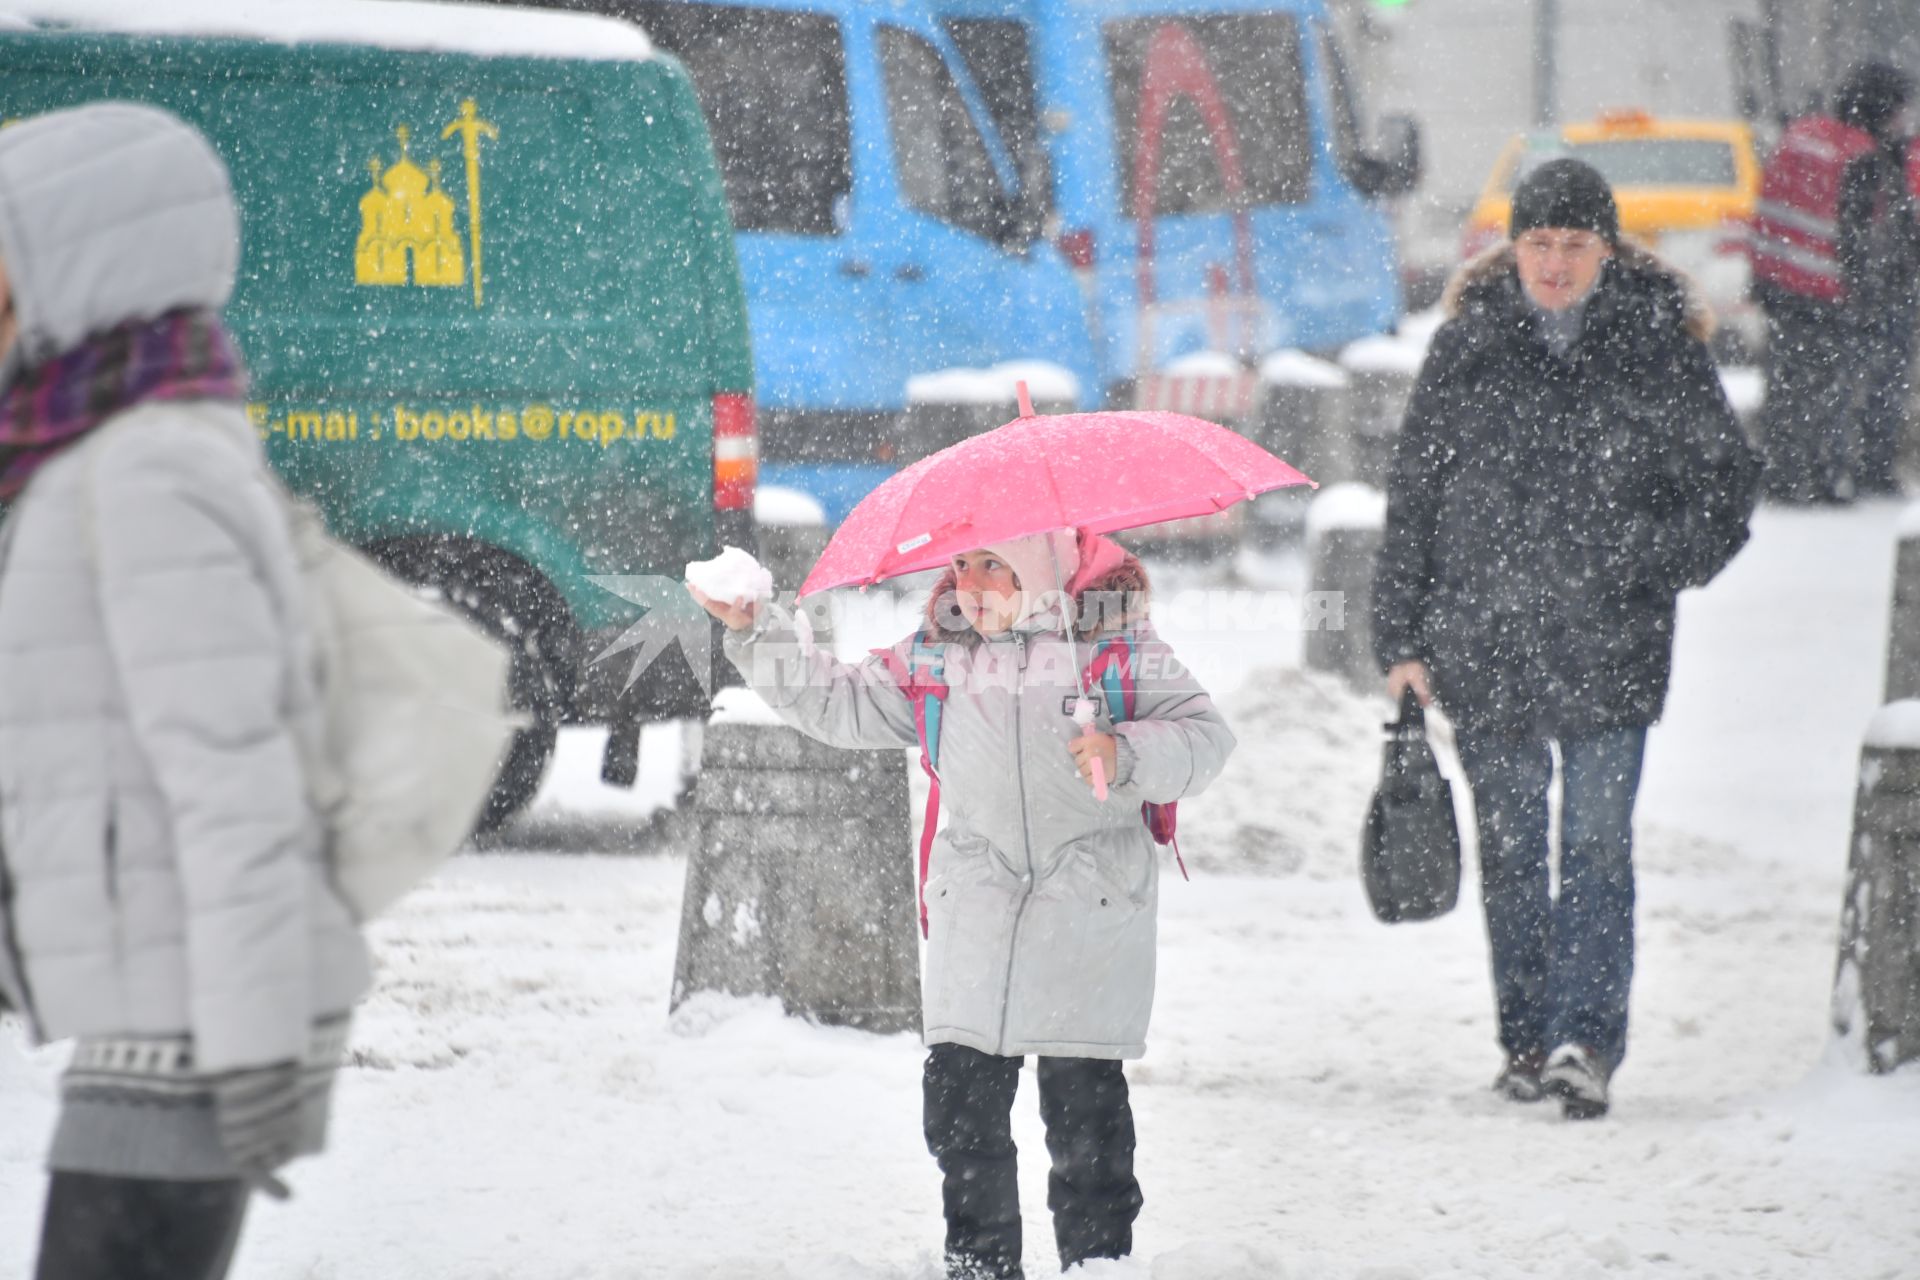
<point x="1568" y="464"/>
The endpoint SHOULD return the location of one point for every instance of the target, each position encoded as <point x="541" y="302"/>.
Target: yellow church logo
<point x="407" y="228"/>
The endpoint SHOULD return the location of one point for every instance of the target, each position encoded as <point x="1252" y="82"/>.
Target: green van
<point x="488" y="295"/>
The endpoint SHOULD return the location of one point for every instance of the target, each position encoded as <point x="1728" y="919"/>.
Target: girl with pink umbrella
<point x="1040" y="892"/>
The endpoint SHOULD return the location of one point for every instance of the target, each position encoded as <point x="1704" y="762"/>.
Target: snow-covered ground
<point x="1314" y="1103"/>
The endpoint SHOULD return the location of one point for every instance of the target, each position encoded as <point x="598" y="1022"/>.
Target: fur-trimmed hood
<point x="1492" y="280"/>
<point x="1116" y="600"/>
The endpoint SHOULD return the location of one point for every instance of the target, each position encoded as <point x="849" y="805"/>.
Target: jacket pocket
<point x="971" y="901"/>
<point x="1089" y="949"/>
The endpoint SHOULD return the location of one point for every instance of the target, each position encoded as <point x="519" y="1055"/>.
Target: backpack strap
<point x="1112" y="668"/>
<point x="922" y="678"/>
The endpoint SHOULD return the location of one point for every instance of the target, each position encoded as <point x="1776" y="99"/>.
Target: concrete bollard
<point x="1903" y="621"/>
<point x="1344" y="528"/>
<point x="792" y="531"/>
<point x="1876" y="982"/>
<point x="800" y="884"/>
<point x="1383" y="371"/>
<point x="1302" y="417"/>
<point x="951" y="405"/>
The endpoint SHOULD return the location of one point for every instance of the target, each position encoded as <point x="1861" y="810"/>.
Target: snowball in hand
<point x="732" y="577"/>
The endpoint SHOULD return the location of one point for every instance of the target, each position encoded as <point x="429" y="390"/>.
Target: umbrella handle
<point x="1083" y="716"/>
<point x="1026" y="400"/>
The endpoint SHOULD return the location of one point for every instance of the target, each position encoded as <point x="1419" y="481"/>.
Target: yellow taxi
<point x="1686" y="189"/>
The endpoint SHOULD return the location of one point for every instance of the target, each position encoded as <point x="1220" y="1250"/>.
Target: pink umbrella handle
<point x="1026" y="400"/>
<point x="1099" y="778"/>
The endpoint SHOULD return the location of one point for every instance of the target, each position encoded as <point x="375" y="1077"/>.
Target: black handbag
<point x="1410" y="851"/>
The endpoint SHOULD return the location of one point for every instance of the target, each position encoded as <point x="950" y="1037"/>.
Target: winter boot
<point x="973" y="1266"/>
<point x="1519" y="1080"/>
<point x="1576" y="1075"/>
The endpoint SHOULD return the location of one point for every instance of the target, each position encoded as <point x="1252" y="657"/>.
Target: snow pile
<point x="485" y="30"/>
<point x="777" y="505"/>
<point x="740" y="705"/>
<point x="1295" y="368"/>
<point x="732" y="577"/>
<point x="1896" y="726"/>
<point x="1046" y="382"/>
<point x="1399" y="354"/>
<point x="1204" y="364"/>
<point x="1746" y="389"/>
<point x="1349" y="505"/>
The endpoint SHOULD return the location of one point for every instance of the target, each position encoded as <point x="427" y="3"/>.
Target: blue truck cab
<point x="878" y="214"/>
<point x="1105" y="185"/>
<point x="1207" y="176"/>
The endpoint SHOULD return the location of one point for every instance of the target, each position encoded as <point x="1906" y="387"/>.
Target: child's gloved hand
<point x="1089" y="747"/>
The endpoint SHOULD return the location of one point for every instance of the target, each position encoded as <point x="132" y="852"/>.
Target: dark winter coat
<point x="1543" y="512"/>
<point x="1878" y="239"/>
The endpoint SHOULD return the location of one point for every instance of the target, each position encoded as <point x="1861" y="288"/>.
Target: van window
<point x="1348" y="148"/>
<point x="1644" y="162"/>
<point x="1254" y="62"/>
<point x="773" y="84"/>
<point x="999" y="55"/>
<point x="942" y="161"/>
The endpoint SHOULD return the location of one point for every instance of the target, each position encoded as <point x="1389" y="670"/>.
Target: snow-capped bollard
<point x="1876" y="983"/>
<point x="949" y="405"/>
<point x="801" y="882"/>
<point x="791" y="528"/>
<point x="1303" y="415"/>
<point x="1303" y="418"/>
<point x="1344" y="527"/>
<point x="1903" y="619"/>
<point x="1383" y="369"/>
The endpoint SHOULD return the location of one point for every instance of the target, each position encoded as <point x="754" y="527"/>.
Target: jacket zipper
<point x="1026" y="836"/>
<point x="113" y="858"/>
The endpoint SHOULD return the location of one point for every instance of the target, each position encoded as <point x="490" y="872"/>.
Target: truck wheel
<point x="509" y="601"/>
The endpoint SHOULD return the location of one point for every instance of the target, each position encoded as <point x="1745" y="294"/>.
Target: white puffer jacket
<point x="1042" y="902"/>
<point x="161" y="866"/>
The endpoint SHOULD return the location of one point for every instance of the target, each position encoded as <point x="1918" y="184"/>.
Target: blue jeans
<point x="1561" y="966"/>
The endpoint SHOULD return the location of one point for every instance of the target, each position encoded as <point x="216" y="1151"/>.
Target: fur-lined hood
<point x="1484" y="281"/>
<point x="1113" y="602"/>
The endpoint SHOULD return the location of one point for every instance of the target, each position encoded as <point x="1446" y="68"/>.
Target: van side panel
<point x="480" y="298"/>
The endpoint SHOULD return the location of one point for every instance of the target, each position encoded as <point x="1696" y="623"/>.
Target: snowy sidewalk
<point x="1313" y="1104"/>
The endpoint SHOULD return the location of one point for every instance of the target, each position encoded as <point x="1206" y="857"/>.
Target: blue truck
<point x="1106" y="185"/>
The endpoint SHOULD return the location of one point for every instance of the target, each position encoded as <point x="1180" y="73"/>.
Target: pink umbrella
<point x="1094" y="471"/>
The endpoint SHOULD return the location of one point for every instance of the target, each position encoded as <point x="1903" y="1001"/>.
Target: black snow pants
<point x="1805" y="419"/>
<point x="102" y="1228"/>
<point x="1884" y="363"/>
<point x="1091" y="1189"/>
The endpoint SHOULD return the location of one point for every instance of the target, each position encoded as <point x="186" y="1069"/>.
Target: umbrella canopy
<point x="1094" y="471"/>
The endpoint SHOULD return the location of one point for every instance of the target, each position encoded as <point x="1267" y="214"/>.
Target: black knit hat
<point x="1565" y="193"/>
<point x="1871" y="96"/>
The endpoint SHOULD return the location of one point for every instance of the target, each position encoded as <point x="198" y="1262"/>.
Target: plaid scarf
<point x="183" y="355"/>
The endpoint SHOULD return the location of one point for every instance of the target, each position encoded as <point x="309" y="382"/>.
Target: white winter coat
<point x="1041" y="900"/>
<point x="161" y="865"/>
